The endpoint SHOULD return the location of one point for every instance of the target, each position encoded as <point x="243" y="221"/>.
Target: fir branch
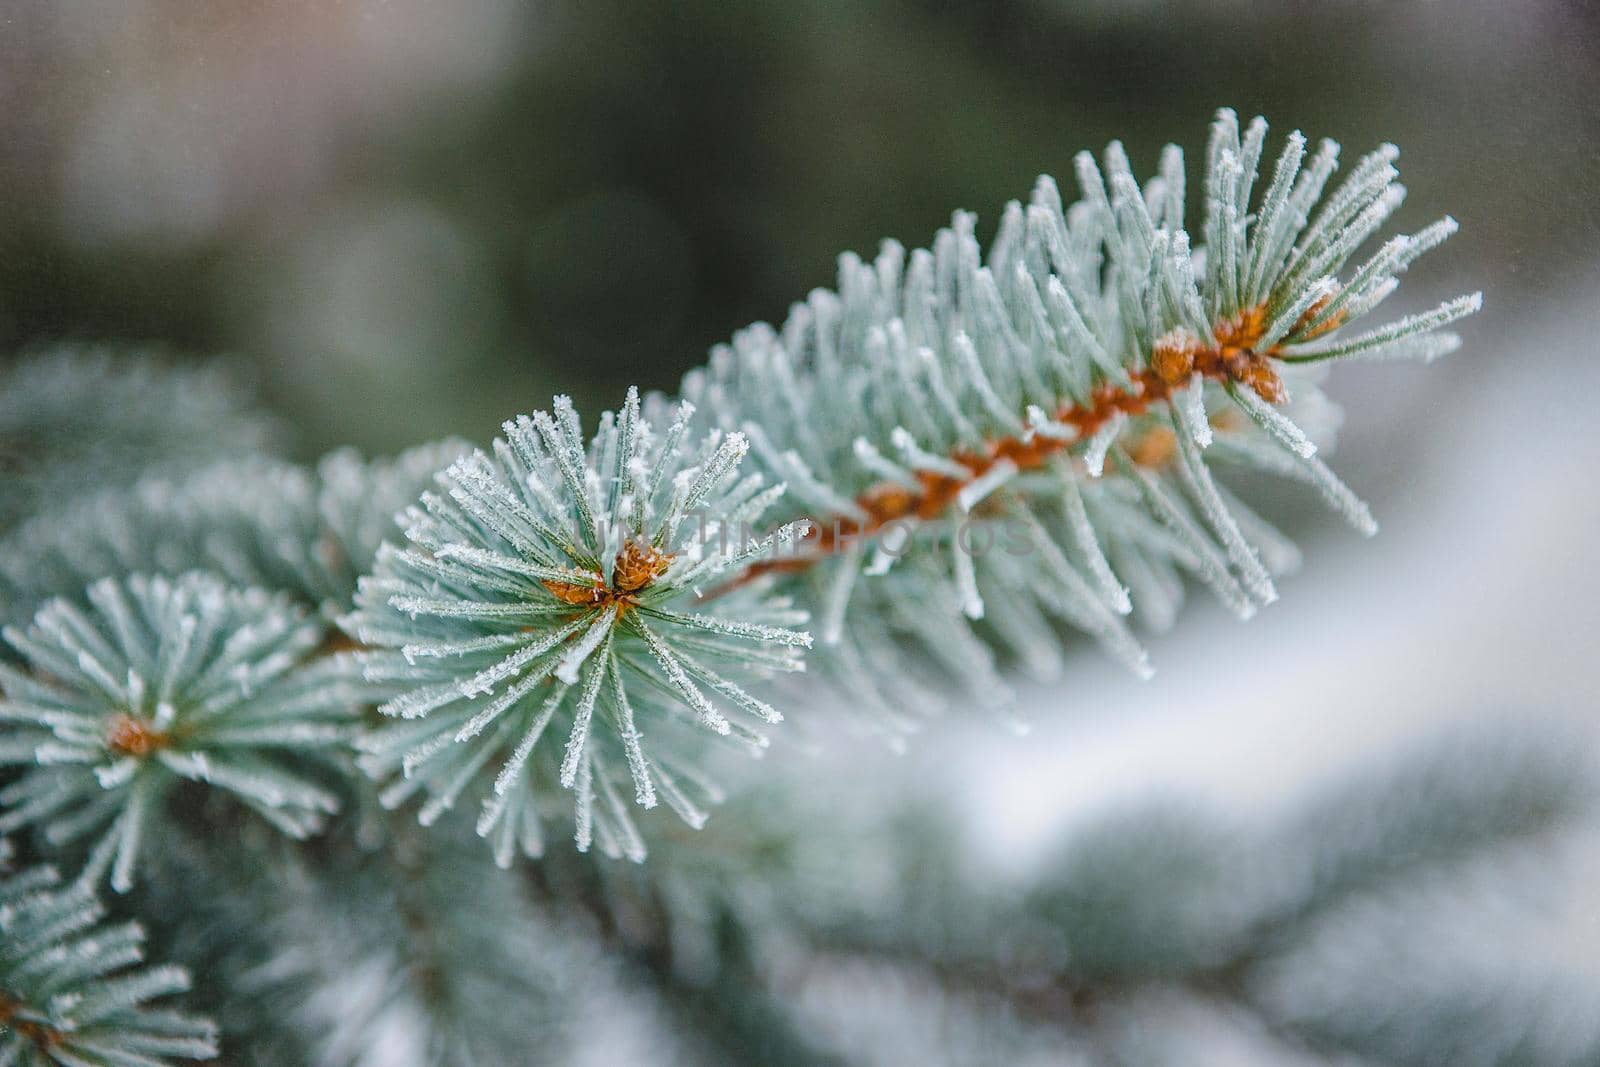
<point x="928" y="390"/>
<point x="72" y="992"/>
<point x="1064" y="395"/>
<point x="159" y="681"/>
<point x="541" y="605"/>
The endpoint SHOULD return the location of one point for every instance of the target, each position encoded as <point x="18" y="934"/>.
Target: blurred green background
<point x="415" y="218"/>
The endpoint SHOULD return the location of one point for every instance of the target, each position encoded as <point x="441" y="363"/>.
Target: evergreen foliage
<point x="161" y="681"/>
<point x="978" y="450"/>
<point x="1157" y="930"/>
<point x="996" y="445"/>
<point x="554" y="585"/>
<point x="255" y="521"/>
<point x="398" y="947"/>
<point x="72" y="993"/>
<point x="72" y="419"/>
<point x="937" y="469"/>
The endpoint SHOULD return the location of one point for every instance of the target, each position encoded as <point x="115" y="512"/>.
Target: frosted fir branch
<point x="518" y="616"/>
<point x="74" y="990"/>
<point x="1064" y="396"/>
<point x="159" y="680"/>
<point x="1079" y="337"/>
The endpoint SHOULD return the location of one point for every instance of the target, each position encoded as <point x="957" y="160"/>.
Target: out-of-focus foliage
<point x="73" y="420"/>
<point x="364" y="197"/>
<point x="845" y="922"/>
<point x="72" y="991"/>
<point x="1331" y="932"/>
<point x="256" y="521"/>
<point x="389" y="946"/>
